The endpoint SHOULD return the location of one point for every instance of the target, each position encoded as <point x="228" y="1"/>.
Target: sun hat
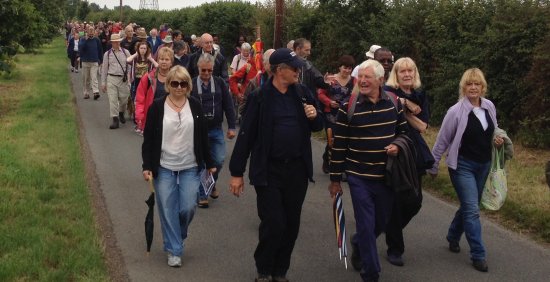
<point x="167" y="39"/>
<point x="370" y="53"/>
<point x="142" y="34"/>
<point x="115" y="37"/>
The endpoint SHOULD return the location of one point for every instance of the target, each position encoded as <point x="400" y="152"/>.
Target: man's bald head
<point x="207" y="42"/>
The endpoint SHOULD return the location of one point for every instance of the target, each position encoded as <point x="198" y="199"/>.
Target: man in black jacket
<point x="276" y="132"/>
<point x="220" y="67"/>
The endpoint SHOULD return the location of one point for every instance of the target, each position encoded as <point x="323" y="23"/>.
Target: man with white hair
<point x="207" y="46"/>
<point x="154" y="40"/>
<point x="364" y="132"/>
<point x="241" y="59"/>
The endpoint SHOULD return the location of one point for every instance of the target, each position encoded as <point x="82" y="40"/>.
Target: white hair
<point x="375" y="65"/>
<point x="246" y="46"/>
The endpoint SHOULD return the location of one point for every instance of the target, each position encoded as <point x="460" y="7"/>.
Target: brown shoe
<point x="215" y="193"/>
<point x="279" y="279"/>
<point x="96" y="96"/>
<point x="203" y="204"/>
<point x="263" y="278"/>
<point x="86" y="96"/>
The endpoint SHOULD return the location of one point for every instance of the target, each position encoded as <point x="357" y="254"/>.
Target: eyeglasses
<point x="207" y="70"/>
<point x="182" y="84"/>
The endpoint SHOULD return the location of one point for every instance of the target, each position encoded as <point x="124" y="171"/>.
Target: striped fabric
<point x="359" y="146"/>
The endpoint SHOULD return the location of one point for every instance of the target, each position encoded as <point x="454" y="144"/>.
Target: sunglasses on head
<point x="207" y="70"/>
<point x="182" y="84"/>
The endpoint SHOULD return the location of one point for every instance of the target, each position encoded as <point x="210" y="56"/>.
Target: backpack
<point x="353" y="101"/>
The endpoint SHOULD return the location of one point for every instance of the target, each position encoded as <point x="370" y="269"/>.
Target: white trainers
<point x="174" y="261"/>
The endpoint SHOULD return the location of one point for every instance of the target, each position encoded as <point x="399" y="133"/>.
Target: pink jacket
<point x="144" y="97"/>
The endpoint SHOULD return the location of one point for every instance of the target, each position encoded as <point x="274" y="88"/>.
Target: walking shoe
<point x="115" y="124"/>
<point x="76" y="70"/>
<point x="121" y="117"/>
<point x="395" y="259"/>
<point x="279" y="279"/>
<point x="263" y="278"/>
<point x="96" y="95"/>
<point x="138" y="131"/>
<point x="72" y="69"/>
<point x="86" y="96"/>
<point x="215" y="193"/>
<point x="480" y="265"/>
<point x="355" y="256"/>
<point x="174" y="261"/>
<point x="454" y="247"/>
<point x="203" y="204"/>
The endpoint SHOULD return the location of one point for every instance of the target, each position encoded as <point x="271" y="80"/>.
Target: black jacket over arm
<point x="255" y="136"/>
<point x="152" y="136"/>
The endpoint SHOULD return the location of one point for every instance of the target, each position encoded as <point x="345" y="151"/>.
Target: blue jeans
<point x="468" y="180"/>
<point x="217" y="151"/>
<point x="177" y="194"/>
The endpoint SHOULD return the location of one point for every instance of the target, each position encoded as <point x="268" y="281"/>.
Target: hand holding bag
<point x="496" y="188"/>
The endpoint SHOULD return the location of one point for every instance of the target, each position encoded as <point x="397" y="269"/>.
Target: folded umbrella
<point x="149" y="219"/>
<point x="340" y="227"/>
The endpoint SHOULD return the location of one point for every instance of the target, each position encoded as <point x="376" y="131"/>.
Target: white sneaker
<point x="174" y="261"/>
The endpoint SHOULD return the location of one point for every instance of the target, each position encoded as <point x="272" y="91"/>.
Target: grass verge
<point x="47" y="230"/>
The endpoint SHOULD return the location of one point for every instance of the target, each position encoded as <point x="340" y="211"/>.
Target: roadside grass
<point x="47" y="230"/>
<point x="527" y="206"/>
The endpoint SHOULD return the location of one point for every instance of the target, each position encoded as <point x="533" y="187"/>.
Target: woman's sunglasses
<point x="182" y="84"/>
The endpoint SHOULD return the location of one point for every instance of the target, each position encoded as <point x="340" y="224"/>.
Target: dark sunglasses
<point x="182" y="84"/>
<point x="207" y="70"/>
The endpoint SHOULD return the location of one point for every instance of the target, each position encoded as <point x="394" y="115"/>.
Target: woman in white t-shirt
<point x="241" y="59"/>
<point x="174" y="151"/>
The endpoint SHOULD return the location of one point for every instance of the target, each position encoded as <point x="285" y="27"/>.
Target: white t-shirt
<point x="239" y="60"/>
<point x="75" y="45"/>
<point x="177" y="150"/>
<point x="480" y="114"/>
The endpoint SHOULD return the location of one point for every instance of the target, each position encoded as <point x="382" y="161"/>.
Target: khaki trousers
<point x="118" y="92"/>
<point x="89" y="76"/>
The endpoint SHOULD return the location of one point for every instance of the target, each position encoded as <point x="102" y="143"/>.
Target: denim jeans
<point x="217" y="151"/>
<point x="468" y="180"/>
<point x="177" y="193"/>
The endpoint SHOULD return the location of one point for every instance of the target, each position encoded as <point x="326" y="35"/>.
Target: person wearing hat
<point x="114" y="75"/>
<point x="370" y="56"/>
<point x="129" y="41"/>
<point x="166" y="42"/>
<point x="275" y="133"/>
<point x="90" y="51"/>
<point x="141" y="36"/>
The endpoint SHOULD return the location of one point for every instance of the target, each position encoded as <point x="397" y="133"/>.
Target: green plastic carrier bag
<point x="496" y="188"/>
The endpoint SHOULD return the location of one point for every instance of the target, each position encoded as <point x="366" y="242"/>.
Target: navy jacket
<point x="222" y="103"/>
<point x="255" y="136"/>
<point x="90" y="50"/>
<point x="155" y="46"/>
<point x="152" y="136"/>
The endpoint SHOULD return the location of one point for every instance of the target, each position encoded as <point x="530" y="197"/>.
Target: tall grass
<point x="47" y="230"/>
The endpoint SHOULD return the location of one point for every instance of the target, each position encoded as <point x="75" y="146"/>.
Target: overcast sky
<point x="163" y="4"/>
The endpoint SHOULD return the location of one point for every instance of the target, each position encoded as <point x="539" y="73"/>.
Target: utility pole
<point x="121" y="10"/>
<point x="279" y="10"/>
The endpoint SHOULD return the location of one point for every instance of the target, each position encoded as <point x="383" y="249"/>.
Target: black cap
<point x="285" y="56"/>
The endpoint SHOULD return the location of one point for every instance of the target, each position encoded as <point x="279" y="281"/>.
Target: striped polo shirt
<point x="359" y="145"/>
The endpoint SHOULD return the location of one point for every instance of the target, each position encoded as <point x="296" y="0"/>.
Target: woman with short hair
<point x="175" y="148"/>
<point x="466" y="134"/>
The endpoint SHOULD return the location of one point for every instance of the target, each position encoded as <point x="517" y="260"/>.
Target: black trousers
<point x="279" y="208"/>
<point x="405" y="206"/>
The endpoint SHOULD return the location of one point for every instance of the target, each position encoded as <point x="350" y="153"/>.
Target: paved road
<point x="222" y="238"/>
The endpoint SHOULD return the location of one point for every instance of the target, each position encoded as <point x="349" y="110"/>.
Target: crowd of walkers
<point x="176" y="90"/>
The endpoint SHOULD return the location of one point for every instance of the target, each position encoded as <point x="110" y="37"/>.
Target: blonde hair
<point x="165" y="51"/>
<point x="178" y="73"/>
<point x="469" y="76"/>
<point x="405" y="62"/>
